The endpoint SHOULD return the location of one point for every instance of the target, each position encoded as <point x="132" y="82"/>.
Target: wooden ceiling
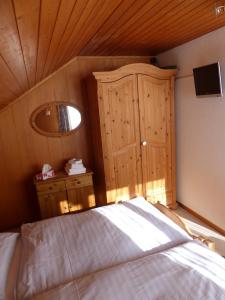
<point x="39" y="36"/>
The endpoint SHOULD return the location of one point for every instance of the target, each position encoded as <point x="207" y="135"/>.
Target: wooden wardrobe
<point x="131" y="113"/>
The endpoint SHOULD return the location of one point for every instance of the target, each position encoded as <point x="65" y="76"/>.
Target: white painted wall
<point x="200" y="129"/>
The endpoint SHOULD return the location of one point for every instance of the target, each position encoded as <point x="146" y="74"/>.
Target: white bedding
<point x="9" y="252"/>
<point x="188" y="272"/>
<point x="58" y="250"/>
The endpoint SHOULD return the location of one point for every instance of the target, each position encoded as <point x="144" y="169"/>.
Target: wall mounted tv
<point x="208" y="80"/>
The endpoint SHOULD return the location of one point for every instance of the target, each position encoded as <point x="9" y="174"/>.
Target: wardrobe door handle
<point x="144" y="143"/>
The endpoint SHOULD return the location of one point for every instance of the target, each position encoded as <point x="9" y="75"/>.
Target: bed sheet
<point x="189" y="272"/>
<point x="57" y="250"/>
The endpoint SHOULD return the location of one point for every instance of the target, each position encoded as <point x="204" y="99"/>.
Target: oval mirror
<point x="56" y="119"/>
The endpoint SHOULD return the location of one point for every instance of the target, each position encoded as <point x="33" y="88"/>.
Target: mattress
<point x="188" y="271"/>
<point x="58" y="250"/>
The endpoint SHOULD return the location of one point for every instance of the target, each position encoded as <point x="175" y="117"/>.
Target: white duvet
<point x="124" y="251"/>
<point x="61" y="249"/>
<point x="8" y="264"/>
<point x="186" y="272"/>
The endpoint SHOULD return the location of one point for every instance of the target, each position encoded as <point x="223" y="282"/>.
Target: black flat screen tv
<point x="208" y="80"/>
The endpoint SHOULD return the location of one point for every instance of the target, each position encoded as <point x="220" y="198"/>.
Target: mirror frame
<point x="53" y="134"/>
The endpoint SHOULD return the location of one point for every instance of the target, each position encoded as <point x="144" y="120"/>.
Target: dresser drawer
<point x="51" y="187"/>
<point x="54" y="204"/>
<point x="79" y="182"/>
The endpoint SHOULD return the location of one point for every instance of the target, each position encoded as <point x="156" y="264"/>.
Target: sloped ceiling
<point x="39" y="36"/>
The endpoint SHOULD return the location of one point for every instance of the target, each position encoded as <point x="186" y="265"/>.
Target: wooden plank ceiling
<point x="39" y="36"/>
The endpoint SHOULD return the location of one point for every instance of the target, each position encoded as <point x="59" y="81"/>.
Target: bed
<point x="122" y="251"/>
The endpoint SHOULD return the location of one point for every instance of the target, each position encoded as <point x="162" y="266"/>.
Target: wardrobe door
<point x="120" y="132"/>
<point x="156" y="139"/>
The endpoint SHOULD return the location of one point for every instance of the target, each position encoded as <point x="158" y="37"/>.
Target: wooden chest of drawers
<point x="63" y="194"/>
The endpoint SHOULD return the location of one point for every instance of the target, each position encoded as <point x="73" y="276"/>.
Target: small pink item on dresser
<point x="47" y="172"/>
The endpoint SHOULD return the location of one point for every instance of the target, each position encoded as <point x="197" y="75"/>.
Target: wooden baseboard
<point x="207" y="222"/>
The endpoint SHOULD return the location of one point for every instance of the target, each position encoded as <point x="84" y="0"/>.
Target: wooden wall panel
<point x="64" y="15"/>
<point x="10" y="47"/>
<point x="48" y="16"/>
<point x="99" y="14"/>
<point x="73" y="21"/>
<point x="119" y="16"/>
<point x="140" y="12"/>
<point x="39" y="36"/>
<point x="154" y="13"/>
<point x="7" y="90"/>
<point x="28" y="24"/>
<point x="23" y="150"/>
<point x="12" y="172"/>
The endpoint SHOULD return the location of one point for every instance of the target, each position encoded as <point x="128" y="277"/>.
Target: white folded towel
<point x="68" y="166"/>
<point x="75" y="161"/>
<point x="75" y="172"/>
<point x="75" y="166"/>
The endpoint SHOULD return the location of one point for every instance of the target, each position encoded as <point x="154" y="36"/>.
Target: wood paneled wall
<point x="23" y="151"/>
<point x="39" y="36"/>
